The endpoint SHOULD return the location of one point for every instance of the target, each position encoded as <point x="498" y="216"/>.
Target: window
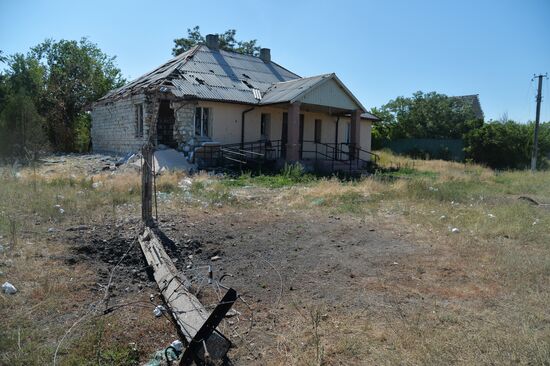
<point x="202" y="122"/>
<point x="348" y="132"/>
<point x="265" y="126"/>
<point x="139" y="120"/>
<point x="317" y="136"/>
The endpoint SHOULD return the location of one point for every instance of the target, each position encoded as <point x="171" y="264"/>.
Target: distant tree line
<point x="501" y="144"/>
<point x="45" y="95"/>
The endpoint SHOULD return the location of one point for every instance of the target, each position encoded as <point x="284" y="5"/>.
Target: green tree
<point x="227" y="39"/>
<point x="25" y="74"/>
<point x="426" y="115"/>
<point x="382" y="130"/>
<point x="59" y="80"/>
<point x="507" y="144"/>
<point x="75" y="75"/>
<point x="21" y="127"/>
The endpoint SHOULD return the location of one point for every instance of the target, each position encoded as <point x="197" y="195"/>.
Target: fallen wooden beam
<point x="189" y="314"/>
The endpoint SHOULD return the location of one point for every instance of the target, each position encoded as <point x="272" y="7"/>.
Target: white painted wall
<point x="226" y="125"/>
<point x="113" y="125"/>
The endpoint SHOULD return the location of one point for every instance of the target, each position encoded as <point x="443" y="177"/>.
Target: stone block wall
<point x="184" y="128"/>
<point x="114" y="125"/>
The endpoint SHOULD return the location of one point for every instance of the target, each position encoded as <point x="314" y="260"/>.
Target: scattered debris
<point x="96" y="185"/>
<point x="231" y="313"/>
<point x="491" y="216"/>
<point x="185" y="183"/>
<point x="167" y="355"/>
<point x="170" y="159"/>
<point x="178" y="345"/>
<point x="159" y="310"/>
<point x="8" y="288"/>
<point x="2" y="249"/>
<point x="455" y="230"/>
<point x="192" y="319"/>
<point x="52" y="230"/>
<point x="215" y="258"/>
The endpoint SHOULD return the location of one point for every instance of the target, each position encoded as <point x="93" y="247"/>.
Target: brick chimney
<point x="265" y="55"/>
<point x="213" y="41"/>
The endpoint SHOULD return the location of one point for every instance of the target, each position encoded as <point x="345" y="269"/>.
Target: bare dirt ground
<point x="321" y="286"/>
<point x="285" y="263"/>
<point x="281" y="262"/>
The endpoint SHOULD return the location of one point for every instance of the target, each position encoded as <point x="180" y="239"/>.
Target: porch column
<point x="355" y="132"/>
<point x="293" y="133"/>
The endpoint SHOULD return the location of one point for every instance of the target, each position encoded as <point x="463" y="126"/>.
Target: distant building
<point x="472" y="100"/>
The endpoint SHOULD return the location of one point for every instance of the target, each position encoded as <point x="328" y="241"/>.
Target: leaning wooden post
<point x="147" y="185"/>
<point x="195" y="323"/>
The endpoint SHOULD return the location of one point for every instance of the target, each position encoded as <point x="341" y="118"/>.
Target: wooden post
<point x="293" y="132"/>
<point x="189" y="314"/>
<point x="355" y="134"/>
<point x="147" y="185"/>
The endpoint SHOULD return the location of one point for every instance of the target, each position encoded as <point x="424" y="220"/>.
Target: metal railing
<point x="338" y="155"/>
<point x="251" y="154"/>
<point x="255" y="154"/>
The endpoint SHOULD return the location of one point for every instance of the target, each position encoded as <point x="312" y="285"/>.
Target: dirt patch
<point x="312" y="256"/>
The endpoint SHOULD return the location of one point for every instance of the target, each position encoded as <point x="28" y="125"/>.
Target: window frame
<point x="265" y="126"/>
<point x="208" y="120"/>
<point x="318" y="131"/>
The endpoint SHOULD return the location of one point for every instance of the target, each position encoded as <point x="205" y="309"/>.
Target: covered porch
<point x="334" y="133"/>
<point x="315" y="121"/>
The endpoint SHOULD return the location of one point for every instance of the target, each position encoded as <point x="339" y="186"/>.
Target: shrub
<point x="504" y="145"/>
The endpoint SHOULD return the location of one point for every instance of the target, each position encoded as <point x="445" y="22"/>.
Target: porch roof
<point x="323" y="90"/>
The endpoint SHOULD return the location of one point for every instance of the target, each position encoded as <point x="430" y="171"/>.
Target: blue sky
<point x="379" y="49"/>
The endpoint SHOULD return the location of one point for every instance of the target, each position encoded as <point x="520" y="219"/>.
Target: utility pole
<point x="537" y="122"/>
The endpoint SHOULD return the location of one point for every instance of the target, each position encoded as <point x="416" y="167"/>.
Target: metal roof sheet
<point x="286" y="91"/>
<point x="203" y="73"/>
<point x="369" y="116"/>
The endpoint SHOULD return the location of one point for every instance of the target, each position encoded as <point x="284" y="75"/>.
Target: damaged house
<point x="219" y="107"/>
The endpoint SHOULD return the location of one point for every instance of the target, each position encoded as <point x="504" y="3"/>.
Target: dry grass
<point x="493" y="311"/>
<point x="52" y="295"/>
<point x="479" y="297"/>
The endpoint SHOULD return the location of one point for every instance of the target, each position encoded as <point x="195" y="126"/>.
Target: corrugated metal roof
<point x="304" y="89"/>
<point x="369" y="116"/>
<point x="286" y="91"/>
<point x="203" y="73"/>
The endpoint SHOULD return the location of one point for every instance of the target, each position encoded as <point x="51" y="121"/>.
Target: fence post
<point x="147" y="185"/>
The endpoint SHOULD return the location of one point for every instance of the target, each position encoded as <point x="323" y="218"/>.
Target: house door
<point x="284" y="135"/>
<point x="165" y="125"/>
